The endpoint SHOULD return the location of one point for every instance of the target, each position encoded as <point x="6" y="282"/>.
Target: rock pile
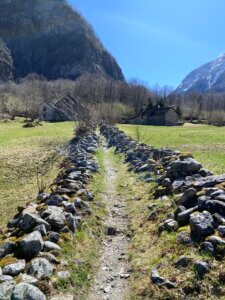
<point x="200" y="194"/>
<point x="29" y="249"/>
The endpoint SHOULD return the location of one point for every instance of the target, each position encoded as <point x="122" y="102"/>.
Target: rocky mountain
<point x="6" y="63"/>
<point x="50" y="38"/>
<point x="209" y="77"/>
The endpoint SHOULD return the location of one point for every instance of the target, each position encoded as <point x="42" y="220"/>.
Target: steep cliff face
<point x="209" y="77"/>
<point x="6" y="63"/>
<point x="50" y="38"/>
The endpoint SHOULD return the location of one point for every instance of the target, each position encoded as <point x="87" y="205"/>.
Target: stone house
<point x="161" y="116"/>
<point x="52" y="112"/>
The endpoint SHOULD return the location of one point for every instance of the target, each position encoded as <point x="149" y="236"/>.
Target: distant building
<point x="161" y="116"/>
<point x="55" y="111"/>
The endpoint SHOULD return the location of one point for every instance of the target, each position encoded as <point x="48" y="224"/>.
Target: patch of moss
<point x="184" y="155"/>
<point x="221" y="186"/>
<point x="8" y="261"/>
<point x="200" y="193"/>
<point x="184" y="228"/>
<point x="65" y="236"/>
<point x="13" y="239"/>
<point x="55" y="252"/>
<point x="40" y="207"/>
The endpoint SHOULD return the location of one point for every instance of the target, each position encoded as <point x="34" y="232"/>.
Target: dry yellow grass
<point x="24" y="152"/>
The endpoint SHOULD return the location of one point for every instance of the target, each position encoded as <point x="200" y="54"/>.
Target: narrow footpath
<point x="112" y="277"/>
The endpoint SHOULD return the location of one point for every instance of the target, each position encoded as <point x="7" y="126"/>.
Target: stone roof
<point x="157" y="111"/>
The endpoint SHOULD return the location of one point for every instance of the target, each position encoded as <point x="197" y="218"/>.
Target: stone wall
<point x="200" y="197"/>
<point x="30" y="248"/>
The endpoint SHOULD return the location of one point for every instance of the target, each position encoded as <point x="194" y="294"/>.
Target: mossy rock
<point x="185" y="155"/>
<point x="8" y="261"/>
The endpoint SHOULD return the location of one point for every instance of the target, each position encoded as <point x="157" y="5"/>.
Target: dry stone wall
<point x="200" y="197"/>
<point x="30" y="248"/>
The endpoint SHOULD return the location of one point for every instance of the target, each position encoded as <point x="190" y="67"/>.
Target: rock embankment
<point x="199" y="217"/>
<point x="30" y="248"/>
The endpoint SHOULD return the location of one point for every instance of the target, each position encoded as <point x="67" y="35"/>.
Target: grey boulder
<point x="27" y="222"/>
<point x="26" y="291"/>
<point x="15" y="268"/>
<point x="31" y="245"/>
<point x="170" y="225"/>
<point x="216" y="206"/>
<point x="202" y="202"/>
<point x="49" y="256"/>
<point x="221" y="230"/>
<point x="4" y="278"/>
<point x="55" y="200"/>
<point x="207" y="247"/>
<point x="48" y="246"/>
<point x="160" y="281"/>
<point x="53" y="237"/>
<point x="56" y="217"/>
<point x="70" y="207"/>
<point x="40" y="268"/>
<point x="183" y="261"/>
<point x="184" y="216"/>
<point x="41" y="229"/>
<point x="201" y="268"/>
<point x="28" y="279"/>
<point x="72" y="222"/>
<point x="7" y="248"/>
<point x="188" y="199"/>
<point x="201" y="224"/>
<point x="216" y="240"/>
<point x="186" y="165"/>
<point x="6" y="289"/>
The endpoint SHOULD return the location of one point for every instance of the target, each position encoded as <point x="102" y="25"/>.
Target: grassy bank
<point x="24" y="153"/>
<point x="148" y="248"/>
<point x="207" y="143"/>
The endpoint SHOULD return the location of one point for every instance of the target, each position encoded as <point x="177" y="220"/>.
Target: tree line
<point x="106" y="99"/>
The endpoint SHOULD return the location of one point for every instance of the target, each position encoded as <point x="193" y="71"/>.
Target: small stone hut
<point x="161" y="116"/>
<point x="51" y="111"/>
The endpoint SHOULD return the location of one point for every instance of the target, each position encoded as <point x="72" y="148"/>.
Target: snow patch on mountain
<point x="207" y="77"/>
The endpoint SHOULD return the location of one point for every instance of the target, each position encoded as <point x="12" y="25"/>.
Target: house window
<point x="44" y="116"/>
<point x="44" y="109"/>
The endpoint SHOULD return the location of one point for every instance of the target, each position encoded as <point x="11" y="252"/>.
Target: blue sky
<point x="158" y="41"/>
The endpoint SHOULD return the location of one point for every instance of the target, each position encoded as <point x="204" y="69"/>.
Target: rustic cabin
<point x="57" y="111"/>
<point x="161" y="116"/>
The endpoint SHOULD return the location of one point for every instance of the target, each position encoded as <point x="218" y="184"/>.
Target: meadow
<point x="26" y="153"/>
<point x="206" y="143"/>
<point x="29" y="159"/>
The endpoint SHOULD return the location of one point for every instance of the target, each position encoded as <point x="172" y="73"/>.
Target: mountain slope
<point x="49" y="38"/>
<point x="209" y="77"/>
<point x="6" y="63"/>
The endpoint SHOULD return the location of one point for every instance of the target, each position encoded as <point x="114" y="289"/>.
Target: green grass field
<point x="23" y="153"/>
<point x="206" y="143"/>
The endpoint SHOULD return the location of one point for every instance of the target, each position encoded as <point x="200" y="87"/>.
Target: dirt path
<point x="112" y="277"/>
